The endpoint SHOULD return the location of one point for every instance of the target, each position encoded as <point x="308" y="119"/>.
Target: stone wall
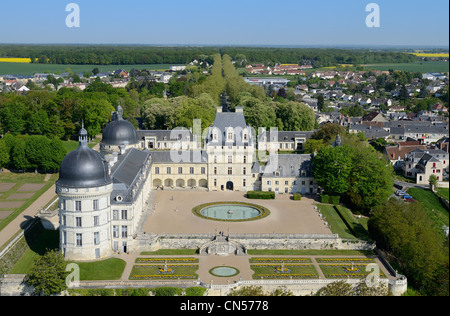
<point x="251" y="241"/>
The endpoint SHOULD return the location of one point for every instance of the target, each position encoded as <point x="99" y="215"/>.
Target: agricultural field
<point x="432" y="55"/>
<point x="420" y="66"/>
<point x="9" y="68"/>
<point x="15" y="60"/>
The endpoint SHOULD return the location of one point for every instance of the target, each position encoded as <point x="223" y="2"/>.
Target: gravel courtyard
<point x="172" y="214"/>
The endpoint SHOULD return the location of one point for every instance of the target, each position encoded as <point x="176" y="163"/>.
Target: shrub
<point x="325" y="199"/>
<point x="335" y="200"/>
<point x="255" y="195"/>
<point x="195" y="291"/>
<point x="167" y="291"/>
<point x="297" y="197"/>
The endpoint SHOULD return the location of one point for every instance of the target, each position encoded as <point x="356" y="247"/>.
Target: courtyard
<point x="172" y="214"/>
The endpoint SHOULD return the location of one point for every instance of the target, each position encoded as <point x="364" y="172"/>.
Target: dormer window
<point x="230" y="136"/>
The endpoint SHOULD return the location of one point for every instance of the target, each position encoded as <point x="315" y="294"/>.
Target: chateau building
<point x="103" y="196"/>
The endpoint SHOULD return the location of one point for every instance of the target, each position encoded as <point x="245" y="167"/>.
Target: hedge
<point x="297" y="197"/>
<point x="261" y="195"/>
<point x="326" y="199"/>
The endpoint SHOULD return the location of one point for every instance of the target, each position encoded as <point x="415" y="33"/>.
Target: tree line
<point x="134" y="55"/>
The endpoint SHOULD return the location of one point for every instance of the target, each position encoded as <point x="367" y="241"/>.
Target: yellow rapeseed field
<point x="431" y="55"/>
<point x="15" y="60"/>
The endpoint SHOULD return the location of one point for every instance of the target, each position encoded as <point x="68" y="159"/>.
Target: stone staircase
<point x="222" y="246"/>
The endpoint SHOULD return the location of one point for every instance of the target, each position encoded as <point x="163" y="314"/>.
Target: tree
<point x="433" y="181"/>
<point x="339" y="288"/>
<point x="4" y="154"/>
<point x="332" y="167"/>
<point x="370" y="181"/>
<point x="320" y="102"/>
<point x="406" y="232"/>
<point x="48" y="275"/>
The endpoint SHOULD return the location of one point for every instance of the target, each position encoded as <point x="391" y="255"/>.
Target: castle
<point x="102" y="196"/>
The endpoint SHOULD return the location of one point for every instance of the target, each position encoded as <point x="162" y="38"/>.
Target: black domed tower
<point x="84" y="167"/>
<point x="119" y="133"/>
<point x="84" y="190"/>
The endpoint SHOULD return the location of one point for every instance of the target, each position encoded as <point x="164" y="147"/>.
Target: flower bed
<point x="280" y="260"/>
<point x="365" y="260"/>
<point x="286" y="276"/>
<point x="163" y="260"/>
<point x="152" y="271"/>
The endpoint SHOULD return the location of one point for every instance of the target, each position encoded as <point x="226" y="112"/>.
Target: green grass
<point x="20" y="179"/>
<point x="356" y="227"/>
<point x="38" y="242"/>
<point x="421" y="66"/>
<point x="151" y="272"/>
<point x="30" y="69"/>
<point x="294" y="269"/>
<point x="338" y="226"/>
<point x="437" y="212"/>
<point x="443" y="192"/>
<point x="106" y="270"/>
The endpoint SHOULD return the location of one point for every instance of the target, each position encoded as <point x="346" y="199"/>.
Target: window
<point x="78" y="222"/>
<point x="156" y="170"/>
<point x="96" y="221"/>
<point x="215" y="170"/>
<point x="244" y="183"/>
<point x="124" y="214"/>
<point x="245" y="159"/>
<point x="180" y="170"/>
<point x="203" y="170"/>
<point x="124" y="231"/>
<point x="63" y="204"/>
<point x="115" y="215"/>
<point x="64" y="220"/>
<point x="116" y="231"/>
<point x="244" y="171"/>
<point x="79" y="240"/>
<point x="269" y="182"/>
<point x="215" y="182"/>
<point x="78" y="206"/>
<point x="169" y="170"/>
<point x="95" y="205"/>
<point x="215" y="159"/>
<point x="230" y="159"/>
<point x="230" y="171"/>
<point x="96" y="238"/>
<point x="230" y="136"/>
<point x="64" y="238"/>
<point x="286" y="190"/>
<point x="286" y="183"/>
<point x="191" y="170"/>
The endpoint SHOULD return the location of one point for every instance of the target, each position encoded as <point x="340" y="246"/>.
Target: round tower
<point x="84" y="188"/>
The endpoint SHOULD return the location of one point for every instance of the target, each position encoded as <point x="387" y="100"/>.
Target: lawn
<point x="152" y="272"/>
<point x="437" y="212"/>
<point x="443" y="192"/>
<point x="18" y="180"/>
<point x="338" y="226"/>
<point x="106" y="270"/>
<point x="297" y="271"/>
<point x="420" y="66"/>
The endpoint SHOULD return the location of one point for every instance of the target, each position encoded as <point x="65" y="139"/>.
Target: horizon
<point x="403" y="23"/>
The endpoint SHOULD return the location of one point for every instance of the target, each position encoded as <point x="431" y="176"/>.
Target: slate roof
<point x="225" y="120"/>
<point x="125" y="174"/>
<point x="287" y="166"/>
<point x="168" y="157"/>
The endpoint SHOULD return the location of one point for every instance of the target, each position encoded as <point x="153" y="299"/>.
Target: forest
<point x="135" y="55"/>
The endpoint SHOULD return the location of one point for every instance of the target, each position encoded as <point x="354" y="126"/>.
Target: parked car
<point x="400" y="193"/>
<point x="407" y="197"/>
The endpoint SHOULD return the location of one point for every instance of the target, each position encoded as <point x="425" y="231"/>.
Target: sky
<point x="228" y="22"/>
